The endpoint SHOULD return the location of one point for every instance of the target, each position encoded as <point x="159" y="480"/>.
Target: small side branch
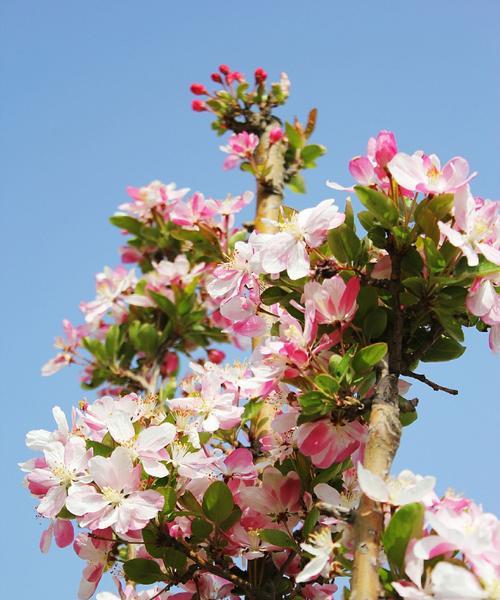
<point x="435" y="386"/>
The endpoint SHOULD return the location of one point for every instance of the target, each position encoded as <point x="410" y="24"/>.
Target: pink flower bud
<point x="385" y="147"/>
<point x="235" y="76"/>
<point x="224" y="69"/>
<point x="170" y="364"/>
<point x="198" y="106"/>
<point x="216" y="77"/>
<point x="260" y="75"/>
<point x="275" y="135"/>
<point x="215" y="356"/>
<point x="130" y="254"/>
<point x="199" y="89"/>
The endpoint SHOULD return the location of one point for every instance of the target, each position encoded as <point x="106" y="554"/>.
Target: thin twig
<point x="435" y="386"/>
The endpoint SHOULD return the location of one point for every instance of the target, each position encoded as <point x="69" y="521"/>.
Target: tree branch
<point x="435" y="386"/>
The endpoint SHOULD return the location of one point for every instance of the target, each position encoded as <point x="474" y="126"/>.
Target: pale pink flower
<point x="148" y="445"/>
<point x="61" y="468"/>
<point x="241" y="146"/>
<point x="118" y="501"/>
<point x="287" y="249"/>
<point x="213" y="587"/>
<point x="333" y="299"/>
<point x="327" y="443"/>
<point x="477" y="228"/>
<point x="279" y="494"/>
<point x="155" y="197"/>
<point x="404" y="489"/>
<point x="61" y="530"/>
<point x="320" y="545"/>
<point x="96" y="552"/>
<point x="483" y="301"/>
<point x="111" y="285"/>
<point x="319" y="591"/>
<point x="68" y="345"/>
<point x="422" y="173"/>
<point x="241" y="312"/>
<point x="112" y="414"/>
<point x="451" y="582"/>
<point x="39" y="439"/>
<point x="232" y="204"/>
<point x="129" y="592"/>
<point x="195" y="210"/>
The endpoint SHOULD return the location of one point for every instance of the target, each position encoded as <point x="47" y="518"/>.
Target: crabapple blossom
<point x="95" y="550"/>
<point x="111" y="286"/>
<point x="155" y="197"/>
<point x="241" y="146"/>
<point x="61" y="530"/>
<point x="287" y="249"/>
<point x="277" y="495"/>
<point x="320" y="545"/>
<point x="68" y="345"/>
<point x="404" y="489"/>
<point x="333" y="300"/>
<point x="118" y="501"/>
<point x="477" y="228"/>
<point x="327" y="443"/>
<point x="422" y="173"/>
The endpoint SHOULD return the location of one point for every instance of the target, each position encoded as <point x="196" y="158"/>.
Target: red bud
<point x="198" y="89"/>
<point x="224" y="69"/>
<point x="216" y="77"/>
<point x="215" y="356"/>
<point x="260" y="75"/>
<point x="198" y="105"/>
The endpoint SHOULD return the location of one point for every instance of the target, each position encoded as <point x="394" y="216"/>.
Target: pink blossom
<point x="232" y="204"/>
<point x="320" y="545"/>
<point x="68" y="344"/>
<point x="404" y="489"/>
<point x="287" y="249"/>
<point x="241" y="146"/>
<point x="39" y="439"/>
<point x="333" y="299"/>
<point x="241" y="312"/>
<point x="96" y="552"/>
<point x="275" y="134"/>
<point x="155" y="197"/>
<point x="61" y="468"/>
<point x="118" y="500"/>
<point x="483" y="301"/>
<point x="319" y="591"/>
<point x="111" y="285"/>
<point x="327" y="443"/>
<point x="195" y="210"/>
<point x="61" y="530"/>
<point x="112" y="414"/>
<point x="477" y="228"/>
<point x="279" y="494"/>
<point x="422" y="173"/>
<point x="229" y="279"/>
<point x="382" y="148"/>
<point x="148" y="445"/>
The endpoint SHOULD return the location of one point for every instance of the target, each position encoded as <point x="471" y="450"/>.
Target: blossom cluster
<point x="213" y="481"/>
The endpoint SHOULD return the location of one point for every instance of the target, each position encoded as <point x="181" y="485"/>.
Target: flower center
<point x="114" y="497"/>
<point x="433" y="173"/>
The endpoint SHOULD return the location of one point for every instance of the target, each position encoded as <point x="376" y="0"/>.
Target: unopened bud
<point x="198" y="89"/>
<point x="260" y="75"/>
<point x="170" y="364"/>
<point x="216" y="77"/>
<point x="198" y="105"/>
<point x="224" y="69"/>
<point x="215" y="356"/>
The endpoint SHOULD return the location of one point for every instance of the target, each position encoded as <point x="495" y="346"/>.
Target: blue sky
<point x="95" y="97"/>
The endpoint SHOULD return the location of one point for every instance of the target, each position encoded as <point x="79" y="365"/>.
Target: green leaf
<point x="338" y="365"/>
<point x="143" y="570"/>
<point x="96" y="348"/>
<point x="344" y="244"/>
<point x="349" y="214"/>
<point x="310" y="522"/>
<point x="276" y="537"/>
<point x="327" y="384"/>
<point x="147" y="338"/>
<point x="314" y="403"/>
<point x="406" y="524"/>
<point x="218" y="502"/>
<point x="366" y="219"/>
<point x="170" y="496"/>
<point x="112" y="342"/>
<point x="435" y="261"/>
<point x="452" y="327"/>
<point x="440" y="205"/>
<point x="427" y="222"/>
<point x="369" y="356"/>
<point x="375" y="322"/>
<point x="154" y="541"/>
<point x="273" y="294"/>
<point x="379" y="205"/>
<point x="201" y="529"/>
<point x="444" y="349"/>
<point x="175" y="560"/>
<point x="164" y="304"/>
<point x="128" y="223"/>
<point x="99" y="449"/>
<point x="189" y="501"/>
<point x="294" y="137"/>
<point x="332" y="472"/>
<point x="297" y="184"/>
<point x="233" y="518"/>
<point x="310" y="153"/>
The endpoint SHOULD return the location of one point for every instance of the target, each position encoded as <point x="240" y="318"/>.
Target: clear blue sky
<point x="95" y="97"/>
